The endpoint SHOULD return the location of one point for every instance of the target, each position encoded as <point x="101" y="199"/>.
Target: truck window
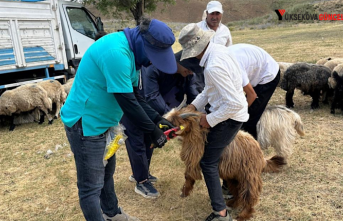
<point x="81" y="22"/>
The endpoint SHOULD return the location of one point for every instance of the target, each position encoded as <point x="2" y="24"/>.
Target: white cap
<point x="214" y="6"/>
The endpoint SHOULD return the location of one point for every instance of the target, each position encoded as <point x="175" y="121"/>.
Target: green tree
<point x="122" y="8"/>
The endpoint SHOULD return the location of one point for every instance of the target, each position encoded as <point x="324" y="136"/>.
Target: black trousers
<point x="264" y="93"/>
<point x="218" y="138"/>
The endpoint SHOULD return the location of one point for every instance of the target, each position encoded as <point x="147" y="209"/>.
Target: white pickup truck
<point x="43" y="39"/>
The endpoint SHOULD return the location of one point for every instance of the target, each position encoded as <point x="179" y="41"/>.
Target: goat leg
<point x="188" y="186"/>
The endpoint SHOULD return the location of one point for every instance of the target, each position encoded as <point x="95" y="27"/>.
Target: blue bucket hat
<point x="158" y="40"/>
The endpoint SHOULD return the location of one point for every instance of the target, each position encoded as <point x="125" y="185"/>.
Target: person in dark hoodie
<point x="162" y="92"/>
<point x="104" y="88"/>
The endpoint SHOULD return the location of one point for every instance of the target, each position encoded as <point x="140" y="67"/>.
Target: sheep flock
<point x="33" y="102"/>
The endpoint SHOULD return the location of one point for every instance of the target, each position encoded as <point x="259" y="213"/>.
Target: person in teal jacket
<point x="104" y="88"/>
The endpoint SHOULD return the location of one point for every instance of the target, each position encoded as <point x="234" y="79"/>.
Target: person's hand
<point x="166" y="124"/>
<point x="203" y="121"/>
<point x="158" y="138"/>
<point x="183" y="71"/>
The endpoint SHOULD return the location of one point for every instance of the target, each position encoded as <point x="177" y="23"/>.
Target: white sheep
<point x="333" y="63"/>
<point x="25" y="98"/>
<point x="322" y="61"/>
<point x="56" y="93"/>
<point x="67" y="85"/>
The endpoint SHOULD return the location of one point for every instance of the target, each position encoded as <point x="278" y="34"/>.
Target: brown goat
<point x="241" y="164"/>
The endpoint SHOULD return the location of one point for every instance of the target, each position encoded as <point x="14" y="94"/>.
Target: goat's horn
<point x="186" y="115"/>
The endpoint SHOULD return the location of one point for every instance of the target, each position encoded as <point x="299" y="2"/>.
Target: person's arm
<point x="191" y="90"/>
<point x="152" y="114"/>
<point x="250" y="94"/>
<point x="135" y="112"/>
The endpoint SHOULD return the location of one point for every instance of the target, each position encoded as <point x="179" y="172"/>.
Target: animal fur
<point x="24" y="99"/>
<point x="241" y="164"/>
<point x="283" y="67"/>
<point x="337" y="78"/>
<point x="310" y="79"/>
<point x="333" y="63"/>
<point x="322" y="61"/>
<point x="278" y="127"/>
<point x="67" y="85"/>
<point x="56" y="93"/>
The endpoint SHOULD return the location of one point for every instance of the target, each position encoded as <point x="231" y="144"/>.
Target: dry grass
<point x="311" y="188"/>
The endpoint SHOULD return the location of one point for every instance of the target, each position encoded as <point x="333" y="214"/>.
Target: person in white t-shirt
<point x="260" y="77"/>
<point x="212" y="17"/>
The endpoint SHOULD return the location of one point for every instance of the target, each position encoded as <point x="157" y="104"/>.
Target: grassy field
<point x="34" y="187"/>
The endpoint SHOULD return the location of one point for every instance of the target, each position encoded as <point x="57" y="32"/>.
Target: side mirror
<point x="99" y="24"/>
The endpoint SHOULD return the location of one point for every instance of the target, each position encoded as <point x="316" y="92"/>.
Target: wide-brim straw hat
<point x="194" y="40"/>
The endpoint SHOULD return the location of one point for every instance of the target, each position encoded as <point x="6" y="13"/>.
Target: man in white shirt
<point x="261" y="75"/>
<point x="212" y="21"/>
<point x="229" y="108"/>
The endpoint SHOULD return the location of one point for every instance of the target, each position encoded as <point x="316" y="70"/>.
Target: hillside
<point x="187" y="11"/>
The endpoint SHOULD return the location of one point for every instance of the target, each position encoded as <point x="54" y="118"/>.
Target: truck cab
<point x="43" y="39"/>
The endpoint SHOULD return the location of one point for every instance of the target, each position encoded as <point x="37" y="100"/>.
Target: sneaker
<point x="121" y="216"/>
<point x="216" y="217"/>
<point x="151" y="178"/>
<point x="226" y="193"/>
<point x="147" y="190"/>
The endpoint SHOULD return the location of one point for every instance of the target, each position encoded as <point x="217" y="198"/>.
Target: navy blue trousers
<point x="138" y="149"/>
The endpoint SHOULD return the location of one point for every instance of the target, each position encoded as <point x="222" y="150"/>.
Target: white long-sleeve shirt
<point x="222" y="36"/>
<point x="257" y="65"/>
<point x="223" y="87"/>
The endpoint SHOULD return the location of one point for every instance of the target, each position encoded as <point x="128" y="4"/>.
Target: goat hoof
<point x="50" y="121"/>
<point x="332" y="111"/>
<point x="55" y="117"/>
<point x="183" y="195"/>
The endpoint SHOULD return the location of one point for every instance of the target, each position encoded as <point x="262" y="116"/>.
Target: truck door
<point x="82" y="29"/>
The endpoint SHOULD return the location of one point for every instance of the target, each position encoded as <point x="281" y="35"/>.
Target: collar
<point x="206" y="54"/>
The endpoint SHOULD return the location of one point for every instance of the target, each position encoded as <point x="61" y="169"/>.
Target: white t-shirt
<point x="222" y="36"/>
<point x="258" y="67"/>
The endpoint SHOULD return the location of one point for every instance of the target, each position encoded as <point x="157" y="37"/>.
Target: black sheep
<point x="311" y="79"/>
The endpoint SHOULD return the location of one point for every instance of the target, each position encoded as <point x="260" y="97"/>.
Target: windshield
<point x="81" y="22"/>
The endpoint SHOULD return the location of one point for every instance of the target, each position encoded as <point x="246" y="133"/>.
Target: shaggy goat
<point x="56" y="93"/>
<point x="24" y="98"/>
<point x="309" y="78"/>
<point x="278" y="127"/>
<point x="241" y="164"/>
<point x="337" y="78"/>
